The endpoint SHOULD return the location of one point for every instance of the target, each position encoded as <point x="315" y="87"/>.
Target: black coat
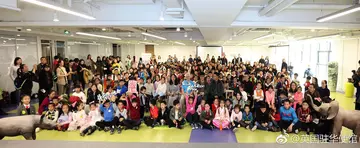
<point x="92" y="97"/>
<point x="45" y="80"/>
<point x="164" y="116"/>
<point x="261" y="117"/>
<point x="26" y="79"/>
<point x="216" y="88"/>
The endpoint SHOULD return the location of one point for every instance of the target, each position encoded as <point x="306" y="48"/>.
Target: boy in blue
<point x="247" y="118"/>
<point x="187" y="87"/>
<point x="110" y="120"/>
<point x="121" y="88"/>
<point x="289" y="119"/>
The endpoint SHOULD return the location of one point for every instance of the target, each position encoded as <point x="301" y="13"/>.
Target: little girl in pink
<point x="298" y="97"/>
<point x="79" y="118"/>
<point x="270" y="96"/>
<point x="222" y="116"/>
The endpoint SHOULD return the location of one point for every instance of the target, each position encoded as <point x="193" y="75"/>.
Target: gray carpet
<point x="67" y="144"/>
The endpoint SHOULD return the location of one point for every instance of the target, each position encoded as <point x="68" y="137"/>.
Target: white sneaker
<point x="254" y="128"/>
<point x="283" y="132"/>
<point x="248" y="127"/>
<point x="37" y="130"/>
<point x="235" y="129"/>
<point x="192" y="126"/>
<point x="296" y="131"/>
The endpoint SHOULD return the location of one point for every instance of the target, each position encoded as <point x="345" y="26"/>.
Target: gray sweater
<point x="120" y="114"/>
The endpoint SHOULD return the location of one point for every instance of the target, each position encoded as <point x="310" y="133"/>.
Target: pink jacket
<point x="190" y="108"/>
<point x="270" y="97"/>
<point x="298" y="97"/>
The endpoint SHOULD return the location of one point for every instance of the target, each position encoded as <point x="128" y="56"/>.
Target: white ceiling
<point x="207" y="22"/>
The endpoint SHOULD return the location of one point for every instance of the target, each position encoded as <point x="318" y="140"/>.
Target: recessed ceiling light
<point x="230" y="38"/>
<point x="55" y="17"/>
<point x="185" y="34"/>
<point x="71" y="35"/>
<point x="28" y="29"/>
<point x="178" y="29"/>
<point x="18" y="35"/>
<point x="129" y="35"/>
<point x="4" y="41"/>
<point x="161" y="18"/>
<point x="99" y="36"/>
<point x="145" y="38"/>
<point x="104" y="29"/>
<point x="312" y="30"/>
<point x="190" y="38"/>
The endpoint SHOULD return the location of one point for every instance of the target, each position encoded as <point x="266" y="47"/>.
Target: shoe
<point x="235" y="129"/>
<point x="211" y="127"/>
<point x="179" y="127"/>
<point x="119" y="130"/>
<point x="82" y="134"/>
<point x="99" y="129"/>
<point x="64" y="130"/>
<point x="37" y="130"/>
<point x="196" y="126"/>
<point x="296" y="131"/>
<point x="283" y="132"/>
<point x="254" y="128"/>
<point x="112" y="130"/>
<point x="162" y="122"/>
<point x="106" y="129"/>
<point x="136" y="128"/>
<point x="89" y="132"/>
<point x="200" y="126"/>
<point x="248" y="127"/>
<point x="308" y="131"/>
<point x="152" y="126"/>
<point x="192" y="126"/>
<point x="238" y="126"/>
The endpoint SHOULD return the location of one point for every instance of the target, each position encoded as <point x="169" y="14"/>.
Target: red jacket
<point x="214" y="108"/>
<point x="154" y="112"/>
<point x="134" y="112"/>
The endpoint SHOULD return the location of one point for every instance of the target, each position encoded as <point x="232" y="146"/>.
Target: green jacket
<point x="204" y="116"/>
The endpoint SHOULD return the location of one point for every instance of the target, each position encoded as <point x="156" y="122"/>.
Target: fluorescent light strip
<point x="99" y="36"/>
<point x="327" y="36"/>
<point x="149" y="43"/>
<point x="155" y="36"/>
<point x="57" y="8"/>
<point x="340" y="13"/>
<point x="84" y="43"/>
<point x="179" y="43"/>
<point x="262" y="37"/>
<point x="13" y="39"/>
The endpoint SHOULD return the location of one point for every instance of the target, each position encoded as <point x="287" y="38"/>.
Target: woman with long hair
<point x="62" y="77"/>
<point x="173" y="90"/>
<point x="99" y="67"/>
<point x="323" y="90"/>
<point x="13" y="74"/>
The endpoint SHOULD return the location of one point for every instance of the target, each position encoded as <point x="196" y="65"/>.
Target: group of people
<point x="112" y="95"/>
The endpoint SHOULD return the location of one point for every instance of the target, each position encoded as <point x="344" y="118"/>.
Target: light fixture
<point x="149" y="43"/>
<point x="4" y="41"/>
<point x="18" y="35"/>
<point x="85" y="43"/>
<point x="57" y="8"/>
<point x="191" y="38"/>
<point x="343" y="36"/>
<point x="28" y="29"/>
<point x="99" y="36"/>
<point x="194" y="41"/>
<point x="339" y="13"/>
<point x="179" y="43"/>
<point x="234" y="34"/>
<point x="129" y="35"/>
<point x="185" y="34"/>
<point x="230" y="38"/>
<point x="155" y="36"/>
<point x="262" y="37"/>
<point x="55" y="17"/>
<point x="178" y="29"/>
<point x="312" y="30"/>
<point x="145" y="38"/>
<point x="161" y="18"/>
<point x="71" y="35"/>
<point x="319" y="37"/>
<point x="103" y="29"/>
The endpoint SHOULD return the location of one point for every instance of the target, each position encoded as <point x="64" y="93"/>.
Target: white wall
<point x="81" y="51"/>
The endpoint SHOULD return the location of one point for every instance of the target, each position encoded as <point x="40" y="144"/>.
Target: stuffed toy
<point x="23" y="125"/>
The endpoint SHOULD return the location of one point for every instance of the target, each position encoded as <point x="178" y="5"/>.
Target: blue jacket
<point x="246" y="117"/>
<point x="288" y="114"/>
<point x="121" y="90"/>
<point x="108" y="112"/>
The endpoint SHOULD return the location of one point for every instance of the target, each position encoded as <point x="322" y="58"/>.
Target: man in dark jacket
<point x="216" y="88"/>
<point x="262" y="118"/>
<point x="284" y="65"/>
<point x="25" y="78"/>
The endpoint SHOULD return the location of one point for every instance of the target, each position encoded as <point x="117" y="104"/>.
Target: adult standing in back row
<point x="216" y="88"/>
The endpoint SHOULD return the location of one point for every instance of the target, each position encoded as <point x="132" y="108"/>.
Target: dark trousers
<point x="357" y="106"/>
<point x="92" y="129"/>
<point x="103" y="124"/>
<point x="305" y="126"/>
<point x="142" y="111"/>
<point x="149" y="121"/>
<point x="132" y="123"/>
<point x="236" y="124"/>
<point x="172" y="124"/>
<point x="285" y="124"/>
<point x="192" y="118"/>
<point x="205" y="125"/>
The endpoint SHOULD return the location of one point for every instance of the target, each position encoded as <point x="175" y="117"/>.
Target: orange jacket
<point x="154" y="112"/>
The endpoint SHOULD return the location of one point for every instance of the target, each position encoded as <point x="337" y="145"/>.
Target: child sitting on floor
<point x="109" y="121"/>
<point x="78" y="118"/>
<point x="288" y="122"/>
<point x="238" y="100"/>
<point x="247" y="118"/>
<point x="25" y="108"/>
<point x="275" y="117"/>
<point x="191" y="115"/>
<point x="201" y="106"/>
<point x="305" y="118"/>
<point x="176" y="116"/>
<point x="229" y="106"/>
<point x="235" y="118"/>
<point x="262" y="118"/>
<point x="94" y="116"/>
<point x="121" y="113"/>
<point x="154" y="113"/>
<point x="51" y="115"/>
<point x="163" y="115"/>
<point x="206" y="118"/>
<point x="222" y="118"/>
<point x="64" y="119"/>
<point x="215" y="105"/>
<point x="133" y="121"/>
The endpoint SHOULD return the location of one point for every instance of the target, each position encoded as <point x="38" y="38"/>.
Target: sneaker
<point x="248" y="127"/>
<point x="254" y="128"/>
<point x="235" y="129"/>
<point x="196" y="125"/>
<point x="308" y="131"/>
<point x="283" y="132"/>
<point x="200" y="126"/>
<point x="211" y="127"/>
<point x="112" y="130"/>
<point x="192" y="126"/>
<point x="296" y="131"/>
<point x="162" y="122"/>
<point x="238" y="126"/>
<point x="106" y="129"/>
<point x="135" y="128"/>
<point x="82" y="134"/>
<point x="179" y="127"/>
<point x="119" y="130"/>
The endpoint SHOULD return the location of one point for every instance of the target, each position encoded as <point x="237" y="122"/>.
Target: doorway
<point x="46" y="51"/>
<point x="150" y="49"/>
